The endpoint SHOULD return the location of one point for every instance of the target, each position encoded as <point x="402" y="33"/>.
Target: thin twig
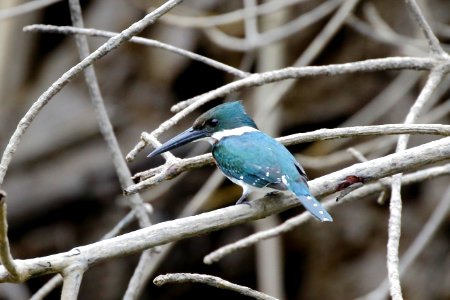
<point x="432" y="40"/>
<point x="49" y="286"/>
<point x="212" y="281"/>
<point x="106" y="128"/>
<point x="173" y="169"/>
<point x="140" y="276"/>
<point x="25" y="8"/>
<point x="363" y="192"/>
<point x="138" y="40"/>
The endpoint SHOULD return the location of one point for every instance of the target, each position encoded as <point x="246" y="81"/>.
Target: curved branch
<point x="138" y="40"/>
<point x="370" y="65"/>
<point x="212" y="281"/>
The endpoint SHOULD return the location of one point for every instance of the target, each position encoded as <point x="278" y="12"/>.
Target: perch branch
<point x="169" y="231"/>
<point x="365" y="191"/>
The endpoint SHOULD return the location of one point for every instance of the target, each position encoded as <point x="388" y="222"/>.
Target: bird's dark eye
<point x="212" y="122"/>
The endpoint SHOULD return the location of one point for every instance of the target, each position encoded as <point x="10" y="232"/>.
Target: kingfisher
<point x="248" y="156"/>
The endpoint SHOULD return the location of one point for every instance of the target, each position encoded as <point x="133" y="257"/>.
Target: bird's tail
<point x="311" y="204"/>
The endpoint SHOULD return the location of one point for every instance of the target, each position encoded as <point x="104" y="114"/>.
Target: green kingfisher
<point x="247" y="156"/>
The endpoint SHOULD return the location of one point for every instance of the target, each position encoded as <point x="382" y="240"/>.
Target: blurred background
<point x="63" y="191"/>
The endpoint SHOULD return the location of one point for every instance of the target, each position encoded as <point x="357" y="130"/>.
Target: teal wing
<point x="258" y="160"/>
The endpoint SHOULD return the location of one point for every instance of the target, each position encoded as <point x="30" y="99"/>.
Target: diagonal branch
<point x="169" y="231"/>
<point x="432" y="40"/>
<point x="363" y="192"/>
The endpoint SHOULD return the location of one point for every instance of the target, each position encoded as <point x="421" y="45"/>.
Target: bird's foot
<point x="243" y="200"/>
<point x="274" y="193"/>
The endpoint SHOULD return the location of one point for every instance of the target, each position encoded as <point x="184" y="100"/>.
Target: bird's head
<point x="219" y="119"/>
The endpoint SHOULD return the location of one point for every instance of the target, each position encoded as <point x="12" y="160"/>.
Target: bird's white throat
<point x="230" y="132"/>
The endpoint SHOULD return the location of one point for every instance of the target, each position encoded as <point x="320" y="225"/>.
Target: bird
<point x="247" y="156"/>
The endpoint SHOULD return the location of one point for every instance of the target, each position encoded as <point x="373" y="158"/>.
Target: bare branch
<point x="365" y="191"/>
<point x="394" y="232"/>
<point x="212" y="281"/>
<point x="138" y="40"/>
<point x="433" y="42"/>
<point x="106" y="128"/>
<point x="173" y="169"/>
<point x="370" y="65"/>
<point x="166" y="232"/>
<point x="72" y="277"/>
<point x="5" y="251"/>
<point x="395" y="205"/>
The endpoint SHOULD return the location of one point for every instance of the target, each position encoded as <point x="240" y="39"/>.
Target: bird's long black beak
<point x="183" y="138"/>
